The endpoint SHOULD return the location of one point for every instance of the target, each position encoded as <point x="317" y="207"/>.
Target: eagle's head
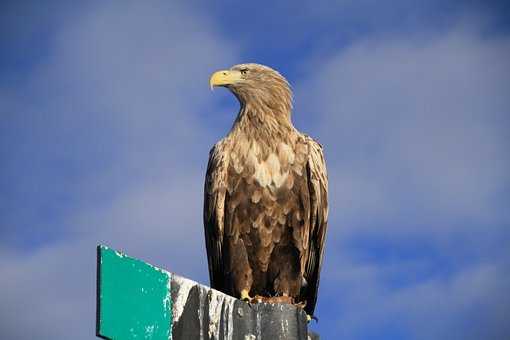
<point x="257" y="86"/>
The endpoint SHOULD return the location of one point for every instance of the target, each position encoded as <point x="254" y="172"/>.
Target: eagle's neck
<point x="258" y="120"/>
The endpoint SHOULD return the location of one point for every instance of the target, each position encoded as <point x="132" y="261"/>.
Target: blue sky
<point x="107" y="120"/>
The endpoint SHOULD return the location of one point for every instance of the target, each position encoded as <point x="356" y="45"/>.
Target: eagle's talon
<point x="311" y="317"/>
<point x="245" y="296"/>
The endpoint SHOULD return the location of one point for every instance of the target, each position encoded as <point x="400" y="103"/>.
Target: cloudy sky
<point x="106" y="120"/>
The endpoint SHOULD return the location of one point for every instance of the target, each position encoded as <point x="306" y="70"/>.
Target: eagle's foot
<point x="245" y="296"/>
<point x="273" y="299"/>
<point x="257" y="299"/>
<point x="301" y="304"/>
<point x="311" y="317"/>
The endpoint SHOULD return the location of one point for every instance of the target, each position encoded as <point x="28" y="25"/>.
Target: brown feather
<point x="265" y="209"/>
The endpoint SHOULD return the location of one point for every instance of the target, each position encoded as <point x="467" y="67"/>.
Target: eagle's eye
<point x="244" y="71"/>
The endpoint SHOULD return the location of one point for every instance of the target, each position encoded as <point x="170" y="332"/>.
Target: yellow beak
<point x="224" y="77"/>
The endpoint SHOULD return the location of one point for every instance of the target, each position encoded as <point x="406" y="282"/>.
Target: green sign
<point x="134" y="298"/>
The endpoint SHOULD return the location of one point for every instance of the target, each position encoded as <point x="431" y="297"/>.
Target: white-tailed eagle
<point x="266" y="196"/>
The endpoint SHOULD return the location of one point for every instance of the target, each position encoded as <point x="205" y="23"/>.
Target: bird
<point x="265" y="196"/>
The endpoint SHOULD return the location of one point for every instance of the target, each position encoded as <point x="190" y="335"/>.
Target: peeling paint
<point x="119" y="254"/>
<point x="200" y="311"/>
<point x="215" y="304"/>
<point x="219" y="307"/>
<point x="228" y="315"/>
<point x="258" y="328"/>
<point x="167" y="301"/>
<point x="219" y="302"/>
<point x="184" y="286"/>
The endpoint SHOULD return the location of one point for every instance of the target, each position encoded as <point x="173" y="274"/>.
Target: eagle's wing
<point x="318" y="191"/>
<point x="214" y="208"/>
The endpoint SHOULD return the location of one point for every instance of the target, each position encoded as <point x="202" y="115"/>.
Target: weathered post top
<point x="137" y="300"/>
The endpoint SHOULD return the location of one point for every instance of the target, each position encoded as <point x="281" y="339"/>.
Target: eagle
<point x="265" y="197"/>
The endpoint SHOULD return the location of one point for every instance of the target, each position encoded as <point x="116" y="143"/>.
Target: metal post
<point x="137" y="300"/>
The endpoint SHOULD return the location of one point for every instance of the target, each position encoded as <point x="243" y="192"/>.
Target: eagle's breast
<point x="269" y="165"/>
<point x="265" y="183"/>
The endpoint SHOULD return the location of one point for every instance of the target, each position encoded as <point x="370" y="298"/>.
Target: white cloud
<point x="415" y="126"/>
<point x="467" y="304"/>
<point x="415" y="130"/>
